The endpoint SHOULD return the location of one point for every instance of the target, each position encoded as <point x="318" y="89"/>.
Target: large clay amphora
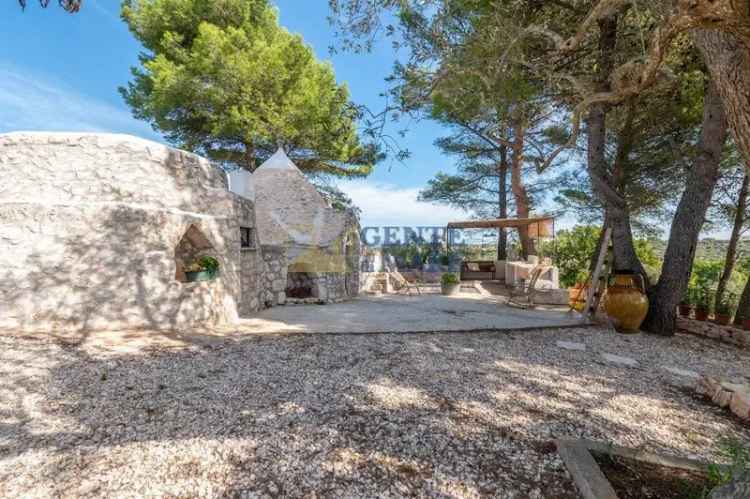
<point x="626" y="302"/>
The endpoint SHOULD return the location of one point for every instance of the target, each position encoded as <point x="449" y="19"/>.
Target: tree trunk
<point x="604" y="183"/>
<point x="502" y="184"/>
<point x="728" y="60"/>
<point x="249" y="157"/>
<point x="743" y="309"/>
<point x="520" y="194"/>
<point x="688" y="220"/>
<point x="731" y="258"/>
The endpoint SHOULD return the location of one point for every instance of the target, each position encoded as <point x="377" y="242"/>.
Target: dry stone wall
<point x="274" y="276"/>
<point x="89" y="229"/>
<point x="725" y="334"/>
<point x="734" y="396"/>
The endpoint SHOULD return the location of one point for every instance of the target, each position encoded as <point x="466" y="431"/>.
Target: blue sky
<point x="61" y="72"/>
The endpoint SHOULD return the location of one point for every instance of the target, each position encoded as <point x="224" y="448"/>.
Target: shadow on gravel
<point x="388" y="414"/>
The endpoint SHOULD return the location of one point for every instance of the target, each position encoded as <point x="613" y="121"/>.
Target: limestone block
<point x="707" y="386"/>
<point x="722" y="398"/>
<point x="740" y="404"/>
<point x="278" y="285"/>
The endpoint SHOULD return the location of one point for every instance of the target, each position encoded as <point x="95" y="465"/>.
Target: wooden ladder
<point x="600" y="276"/>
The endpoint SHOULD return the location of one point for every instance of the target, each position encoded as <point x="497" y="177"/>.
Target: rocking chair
<point x="403" y="283"/>
<point x="522" y="294"/>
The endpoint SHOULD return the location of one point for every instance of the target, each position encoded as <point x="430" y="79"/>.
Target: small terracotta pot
<point x="685" y="310"/>
<point x="701" y="314"/>
<point x="746" y="324"/>
<point x="577" y="296"/>
<point x="722" y="319"/>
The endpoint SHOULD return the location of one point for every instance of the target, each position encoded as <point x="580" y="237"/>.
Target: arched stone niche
<point x="193" y="245"/>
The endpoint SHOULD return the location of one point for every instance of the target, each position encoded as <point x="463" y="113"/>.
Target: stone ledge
<point x="734" y="396"/>
<point x="726" y="334"/>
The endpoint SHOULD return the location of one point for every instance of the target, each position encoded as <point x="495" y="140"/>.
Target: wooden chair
<point x="522" y="294"/>
<point x="403" y="283"/>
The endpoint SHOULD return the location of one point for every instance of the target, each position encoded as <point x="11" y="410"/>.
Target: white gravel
<point x="447" y="415"/>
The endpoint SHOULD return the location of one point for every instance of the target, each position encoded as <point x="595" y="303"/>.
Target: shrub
<point x="706" y="273"/>
<point x="691" y="296"/>
<point x="726" y="307"/>
<point x="738" y="455"/>
<point x="209" y="263"/>
<point x="204" y="264"/>
<point x="573" y="252"/>
<point x="449" y="278"/>
<point x="705" y="299"/>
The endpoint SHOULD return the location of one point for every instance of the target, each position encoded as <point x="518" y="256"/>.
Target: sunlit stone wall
<point x="89" y="229"/>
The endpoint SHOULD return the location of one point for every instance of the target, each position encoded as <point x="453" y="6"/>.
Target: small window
<point x="247" y="238"/>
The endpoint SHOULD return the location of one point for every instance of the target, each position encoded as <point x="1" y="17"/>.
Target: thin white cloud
<point x="387" y="205"/>
<point x="30" y="101"/>
<point x="97" y="6"/>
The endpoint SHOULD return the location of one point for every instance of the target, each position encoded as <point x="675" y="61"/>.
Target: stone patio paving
<point x="402" y="313"/>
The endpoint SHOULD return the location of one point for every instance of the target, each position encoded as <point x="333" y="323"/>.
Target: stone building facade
<point x="321" y="243"/>
<point x="96" y="231"/>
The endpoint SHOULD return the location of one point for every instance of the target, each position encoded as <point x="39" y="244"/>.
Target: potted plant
<point x="688" y="302"/>
<point x="577" y="296"/>
<point x="703" y="305"/>
<point x="723" y="313"/>
<point x="449" y="284"/>
<point x="204" y="269"/>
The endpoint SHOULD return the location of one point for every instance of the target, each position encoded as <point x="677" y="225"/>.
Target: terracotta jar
<point x="626" y="302"/>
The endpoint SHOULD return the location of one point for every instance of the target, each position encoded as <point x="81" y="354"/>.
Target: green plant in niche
<point x="204" y="264"/>
<point x="449" y="278"/>
<point x="209" y="263"/>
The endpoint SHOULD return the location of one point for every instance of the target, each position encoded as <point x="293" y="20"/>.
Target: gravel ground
<point x="449" y="415"/>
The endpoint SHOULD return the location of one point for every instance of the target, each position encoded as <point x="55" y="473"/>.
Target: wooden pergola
<point x="538" y="226"/>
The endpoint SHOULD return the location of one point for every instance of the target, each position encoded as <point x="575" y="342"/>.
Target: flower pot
<point x="577" y="296"/>
<point x="450" y="289"/>
<point x="203" y="275"/>
<point x="722" y="319"/>
<point x="746" y="324"/>
<point x="701" y="314"/>
<point x="626" y="302"/>
<point x="685" y="310"/>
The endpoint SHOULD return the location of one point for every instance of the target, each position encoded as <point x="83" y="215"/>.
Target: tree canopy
<point x="224" y="79"/>
<point x="71" y="6"/>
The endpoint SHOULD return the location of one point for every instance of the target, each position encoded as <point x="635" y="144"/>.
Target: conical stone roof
<point x="289" y="209"/>
<point x="279" y="161"/>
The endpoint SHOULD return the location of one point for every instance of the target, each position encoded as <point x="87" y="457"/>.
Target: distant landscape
<point x="709" y="249"/>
